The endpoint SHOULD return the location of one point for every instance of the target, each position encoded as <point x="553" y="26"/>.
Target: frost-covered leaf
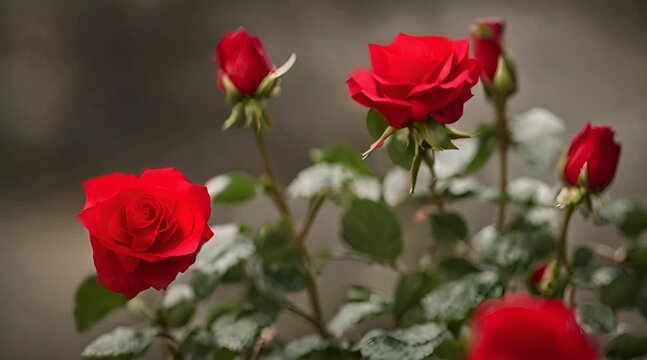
<point x="235" y="334"/>
<point x="627" y="215"/>
<point x="341" y="154"/>
<point x="229" y="247"/>
<point x="411" y="288"/>
<point x="530" y="191"/>
<point x="121" y="343"/>
<point x="333" y="179"/>
<point x="596" y="318"/>
<point x="516" y="249"/>
<point x="178" y="304"/>
<point x="353" y="312"/>
<point x="538" y="137"/>
<point x="455" y="300"/>
<point x="414" y="343"/>
<point x="453" y="163"/>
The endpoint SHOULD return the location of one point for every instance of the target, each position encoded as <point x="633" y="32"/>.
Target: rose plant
<point x="512" y="290"/>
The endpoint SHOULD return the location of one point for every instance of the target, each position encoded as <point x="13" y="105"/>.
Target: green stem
<point x="299" y="239"/>
<point x="562" y="237"/>
<point x="429" y="161"/>
<point x="504" y="142"/>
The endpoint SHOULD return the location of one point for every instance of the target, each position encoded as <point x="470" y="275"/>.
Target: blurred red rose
<point x="243" y="59"/>
<point x="144" y="230"/>
<point x="594" y="148"/>
<point x="487" y="35"/>
<point x="520" y="326"/>
<point x="416" y="77"/>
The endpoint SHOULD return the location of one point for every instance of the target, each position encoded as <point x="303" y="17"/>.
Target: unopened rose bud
<point x="592" y="158"/>
<point x="243" y="59"/>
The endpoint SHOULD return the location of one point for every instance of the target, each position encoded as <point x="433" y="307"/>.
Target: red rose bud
<point x="520" y="326"/>
<point x="538" y="275"/>
<point x="243" y="60"/>
<point x="144" y="230"/>
<point x="487" y="35"/>
<point x="592" y="158"/>
<point x="415" y="78"/>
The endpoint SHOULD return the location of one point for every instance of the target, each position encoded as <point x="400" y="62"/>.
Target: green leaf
<point x="232" y="188"/>
<point x="621" y="291"/>
<point x="582" y="257"/>
<point x="538" y="138"/>
<point x="352" y="313"/>
<point x="637" y="257"/>
<point x="486" y="136"/>
<point x="627" y="346"/>
<point x="218" y="256"/>
<point x="596" y="318"/>
<point x="341" y="154"/>
<point x="400" y="149"/>
<point x="372" y="229"/>
<point x="93" y="302"/>
<point x="435" y="134"/>
<point x="453" y="301"/>
<point x="455" y="268"/>
<point x="279" y="271"/>
<point x="178" y="305"/>
<point x="641" y="298"/>
<point x="414" y="343"/>
<point x="121" y="343"/>
<point x="375" y="124"/>
<point x="448" y="227"/>
<point x="411" y="288"/>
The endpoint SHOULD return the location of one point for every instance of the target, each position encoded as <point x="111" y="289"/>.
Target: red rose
<point x="416" y="77"/>
<point x="594" y="148"/>
<point x="487" y="35"/>
<point x="243" y="59"/>
<point x="144" y="230"/>
<point x="520" y="326"/>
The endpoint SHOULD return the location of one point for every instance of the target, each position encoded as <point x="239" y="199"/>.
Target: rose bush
<point x="144" y="230"/>
<point x="463" y="300"/>
<point x="416" y="77"/>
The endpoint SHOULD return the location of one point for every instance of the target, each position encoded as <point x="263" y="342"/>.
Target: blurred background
<point x="93" y="87"/>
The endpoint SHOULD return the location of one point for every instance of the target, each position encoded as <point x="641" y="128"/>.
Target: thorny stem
<point x="429" y="161"/>
<point x="302" y="252"/>
<point x="504" y="142"/>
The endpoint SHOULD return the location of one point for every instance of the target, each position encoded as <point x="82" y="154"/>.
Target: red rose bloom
<point x="520" y="326"/>
<point x="416" y="77"/>
<point x="243" y="59"/>
<point x="594" y="147"/>
<point x="144" y="230"/>
<point x="487" y="35"/>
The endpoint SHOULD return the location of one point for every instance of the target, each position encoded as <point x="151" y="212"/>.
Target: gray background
<point x="93" y="87"/>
